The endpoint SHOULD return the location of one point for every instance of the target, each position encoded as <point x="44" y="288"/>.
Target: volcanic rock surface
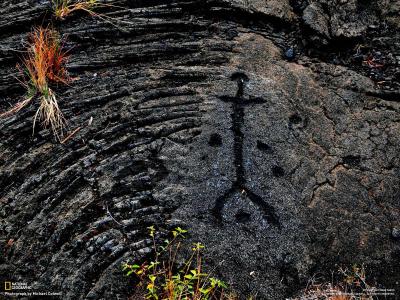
<point x="192" y="114"/>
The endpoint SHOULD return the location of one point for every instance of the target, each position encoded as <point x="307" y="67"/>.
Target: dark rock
<point x="396" y="233"/>
<point x="290" y="54"/>
<point x="315" y="17"/>
<point x="198" y="120"/>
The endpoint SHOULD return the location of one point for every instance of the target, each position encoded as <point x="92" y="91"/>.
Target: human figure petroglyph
<point x="238" y="103"/>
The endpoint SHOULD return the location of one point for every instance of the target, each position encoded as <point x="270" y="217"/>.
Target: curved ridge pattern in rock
<point x="307" y="169"/>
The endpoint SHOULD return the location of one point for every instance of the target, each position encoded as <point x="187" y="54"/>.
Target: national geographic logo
<point x="23" y="289"/>
<point x="15" y="286"/>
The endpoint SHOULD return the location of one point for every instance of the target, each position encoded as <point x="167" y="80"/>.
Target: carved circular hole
<point x="278" y="171"/>
<point x="295" y="119"/>
<point x="215" y="140"/>
<point x="242" y="217"/>
<point x="264" y="147"/>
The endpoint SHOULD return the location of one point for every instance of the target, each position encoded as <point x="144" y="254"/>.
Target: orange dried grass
<point x="46" y="59"/>
<point x="63" y="8"/>
<point x="43" y="64"/>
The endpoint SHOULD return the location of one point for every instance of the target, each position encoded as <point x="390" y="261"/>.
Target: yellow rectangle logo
<point x="7" y="286"/>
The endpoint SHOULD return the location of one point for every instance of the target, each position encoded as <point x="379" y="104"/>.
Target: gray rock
<point x="316" y="19"/>
<point x="396" y="233"/>
<point x="282" y="169"/>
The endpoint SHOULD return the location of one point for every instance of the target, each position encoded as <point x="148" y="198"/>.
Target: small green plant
<point x="163" y="278"/>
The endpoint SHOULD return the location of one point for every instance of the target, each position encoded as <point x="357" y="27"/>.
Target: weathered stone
<point x="396" y="233"/>
<point x="281" y="168"/>
<point x="280" y="9"/>
<point x="316" y="19"/>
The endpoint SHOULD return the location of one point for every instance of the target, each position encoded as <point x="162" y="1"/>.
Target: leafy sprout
<point x="164" y="278"/>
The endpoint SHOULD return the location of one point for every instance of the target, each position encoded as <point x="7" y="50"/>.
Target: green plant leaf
<point x="205" y="291"/>
<point x="152" y="230"/>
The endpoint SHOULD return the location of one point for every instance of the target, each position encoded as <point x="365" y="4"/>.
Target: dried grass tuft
<point x="63" y="8"/>
<point x="43" y="64"/>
